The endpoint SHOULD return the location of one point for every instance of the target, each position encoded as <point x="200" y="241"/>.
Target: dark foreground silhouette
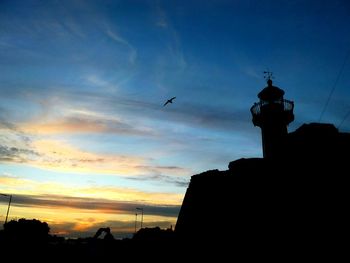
<point x="31" y="238"/>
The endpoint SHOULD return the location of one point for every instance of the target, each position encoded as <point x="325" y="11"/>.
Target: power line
<point x="343" y="120"/>
<point x="335" y="84"/>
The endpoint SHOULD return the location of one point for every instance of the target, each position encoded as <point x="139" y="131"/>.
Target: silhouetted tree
<point x="26" y="230"/>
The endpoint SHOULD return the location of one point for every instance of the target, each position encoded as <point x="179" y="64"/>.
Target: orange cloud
<point x="60" y="156"/>
<point x="17" y="146"/>
<point x="65" y="126"/>
<point x="19" y="186"/>
<point x="82" y="121"/>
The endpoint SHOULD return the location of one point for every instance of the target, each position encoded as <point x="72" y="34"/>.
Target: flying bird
<point x="169" y="101"/>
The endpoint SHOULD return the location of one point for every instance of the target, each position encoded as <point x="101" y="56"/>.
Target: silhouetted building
<point x="272" y="114"/>
<point x="154" y="234"/>
<point x="295" y="198"/>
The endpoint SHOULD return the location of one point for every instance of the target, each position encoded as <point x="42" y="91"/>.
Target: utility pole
<point x="8" y="207"/>
<point x="140" y="208"/>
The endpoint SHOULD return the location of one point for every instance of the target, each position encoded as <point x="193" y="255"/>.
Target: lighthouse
<point x="272" y="114"/>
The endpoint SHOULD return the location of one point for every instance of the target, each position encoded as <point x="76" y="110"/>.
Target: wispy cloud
<point x="159" y="178"/>
<point x="20" y="186"/>
<point x="86" y="124"/>
<point x="157" y="169"/>
<point x="8" y="180"/>
<point x="118" y="39"/>
<point x="60" y="156"/>
<point x="161" y="17"/>
<point x="137" y="110"/>
<point x="97" y="205"/>
<point x="53" y="154"/>
<point x="101" y="83"/>
<point x="188" y="113"/>
<point x="16" y="155"/>
<point x="14" y="144"/>
<point x="252" y="72"/>
<point x="71" y="25"/>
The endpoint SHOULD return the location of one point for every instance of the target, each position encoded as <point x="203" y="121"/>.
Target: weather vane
<point x="268" y="75"/>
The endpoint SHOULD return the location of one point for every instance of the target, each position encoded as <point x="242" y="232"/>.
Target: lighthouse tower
<point x="272" y="114"/>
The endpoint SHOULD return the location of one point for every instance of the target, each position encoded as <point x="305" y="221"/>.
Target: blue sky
<point x="83" y="85"/>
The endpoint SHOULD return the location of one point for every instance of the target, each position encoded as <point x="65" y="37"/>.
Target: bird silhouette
<point x="169" y="101"/>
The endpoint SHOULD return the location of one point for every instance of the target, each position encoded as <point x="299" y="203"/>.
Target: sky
<point x="84" y="136"/>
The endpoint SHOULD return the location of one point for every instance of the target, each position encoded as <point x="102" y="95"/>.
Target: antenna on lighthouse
<point x="268" y="75"/>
